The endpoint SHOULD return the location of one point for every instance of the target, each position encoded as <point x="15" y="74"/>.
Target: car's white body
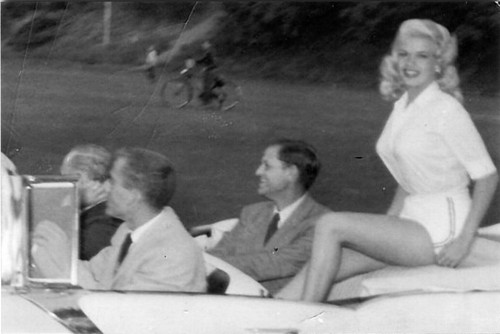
<point x="444" y="313"/>
<point x="396" y="300"/>
<point x="123" y="313"/>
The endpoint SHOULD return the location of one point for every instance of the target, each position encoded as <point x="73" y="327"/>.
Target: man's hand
<point x="50" y="250"/>
<point x="94" y="192"/>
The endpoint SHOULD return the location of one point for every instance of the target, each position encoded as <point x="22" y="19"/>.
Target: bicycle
<point x="188" y="87"/>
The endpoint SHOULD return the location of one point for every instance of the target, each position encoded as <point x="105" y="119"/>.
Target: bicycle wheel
<point x="177" y="94"/>
<point x="230" y="96"/>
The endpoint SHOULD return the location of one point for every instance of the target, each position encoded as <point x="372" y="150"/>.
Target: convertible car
<point x="428" y="299"/>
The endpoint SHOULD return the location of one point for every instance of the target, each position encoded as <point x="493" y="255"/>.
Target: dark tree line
<point x="283" y="24"/>
<point x="354" y="33"/>
<point x="339" y="35"/>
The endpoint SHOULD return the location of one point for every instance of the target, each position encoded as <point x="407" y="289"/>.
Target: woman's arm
<point x="397" y="202"/>
<point x="482" y="194"/>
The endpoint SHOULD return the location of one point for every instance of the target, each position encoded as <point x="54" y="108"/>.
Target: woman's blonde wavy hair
<point x="391" y="85"/>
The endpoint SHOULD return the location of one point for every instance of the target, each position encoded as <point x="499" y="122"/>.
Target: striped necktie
<point x="273" y="227"/>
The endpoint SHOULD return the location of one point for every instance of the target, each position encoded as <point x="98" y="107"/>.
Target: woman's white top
<point x="432" y="145"/>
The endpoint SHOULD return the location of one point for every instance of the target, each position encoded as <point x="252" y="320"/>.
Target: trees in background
<point x="353" y="34"/>
<point x="313" y="40"/>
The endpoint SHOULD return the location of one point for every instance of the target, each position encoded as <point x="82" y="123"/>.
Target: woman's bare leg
<point x="352" y="263"/>
<point x="387" y="239"/>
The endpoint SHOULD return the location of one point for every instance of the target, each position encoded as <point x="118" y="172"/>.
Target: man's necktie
<point x="273" y="227"/>
<point x="124" y="249"/>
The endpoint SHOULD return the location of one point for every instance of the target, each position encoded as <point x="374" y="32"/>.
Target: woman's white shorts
<point x="443" y="215"/>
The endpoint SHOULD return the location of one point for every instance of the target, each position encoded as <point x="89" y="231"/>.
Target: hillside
<point x="339" y="43"/>
<point x="71" y="34"/>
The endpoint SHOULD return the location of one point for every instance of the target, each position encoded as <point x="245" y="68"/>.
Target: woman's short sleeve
<point x="460" y="133"/>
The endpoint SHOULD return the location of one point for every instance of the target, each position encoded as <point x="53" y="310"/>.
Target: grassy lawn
<point x="55" y="106"/>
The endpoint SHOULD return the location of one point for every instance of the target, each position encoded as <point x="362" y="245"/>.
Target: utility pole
<point x="106" y="23"/>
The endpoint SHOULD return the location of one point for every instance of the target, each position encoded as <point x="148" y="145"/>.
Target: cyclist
<point x="151" y="62"/>
<point x="185" y="77"/>
<point x="187" y="74"/>
<point x="211" y="81"/>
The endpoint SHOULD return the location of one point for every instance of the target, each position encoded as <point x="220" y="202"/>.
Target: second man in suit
<point x="151" y="250"/>
<point x="273" y="239"/>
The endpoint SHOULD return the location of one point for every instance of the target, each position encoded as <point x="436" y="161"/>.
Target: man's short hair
<point x="92" y="160"/>
<point x="303" y="156"/>
<point x="149" y="172"/>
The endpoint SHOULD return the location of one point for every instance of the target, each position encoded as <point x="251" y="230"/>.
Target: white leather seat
<point x="239" y="282"/>
<point x="207" y="236"/>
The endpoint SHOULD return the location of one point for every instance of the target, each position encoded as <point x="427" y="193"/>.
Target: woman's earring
<point x="437" y="69"/>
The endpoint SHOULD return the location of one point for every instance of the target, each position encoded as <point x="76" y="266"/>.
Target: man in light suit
<point x="161" y="254"/>
<point x="269" y="248"/>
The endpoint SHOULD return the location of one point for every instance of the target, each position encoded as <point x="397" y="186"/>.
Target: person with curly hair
<point x="433" y="150"/>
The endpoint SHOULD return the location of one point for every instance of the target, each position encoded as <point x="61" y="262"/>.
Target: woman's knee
<point x="332" y="224"/>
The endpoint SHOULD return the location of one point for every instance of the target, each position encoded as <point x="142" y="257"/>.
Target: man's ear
<point x="293" y="173"/>
<point x="136" y="197"/>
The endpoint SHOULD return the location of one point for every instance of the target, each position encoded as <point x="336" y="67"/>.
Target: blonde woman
<point x="433" y="150"/>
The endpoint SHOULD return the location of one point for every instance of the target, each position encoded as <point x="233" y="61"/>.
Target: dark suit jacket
<point x="274" y="264"/>
<point x="96" y="230"/>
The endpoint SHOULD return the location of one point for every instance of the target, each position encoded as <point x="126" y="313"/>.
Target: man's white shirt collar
<point x="287" y="212"/>
<point x="138" y="232"/>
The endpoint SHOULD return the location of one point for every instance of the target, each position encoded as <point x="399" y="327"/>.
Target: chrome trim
<point x="272" y="330"/>
<point x="48" y="312"/>
<point x="34" y="183"/>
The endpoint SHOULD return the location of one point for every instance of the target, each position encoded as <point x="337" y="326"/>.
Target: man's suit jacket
<point x="96" y="230"/>
<point x="275" y="263"/>
<point x="165" y="258"/>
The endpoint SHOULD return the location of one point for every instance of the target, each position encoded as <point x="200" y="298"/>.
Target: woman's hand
<point x="454" y="252"/>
